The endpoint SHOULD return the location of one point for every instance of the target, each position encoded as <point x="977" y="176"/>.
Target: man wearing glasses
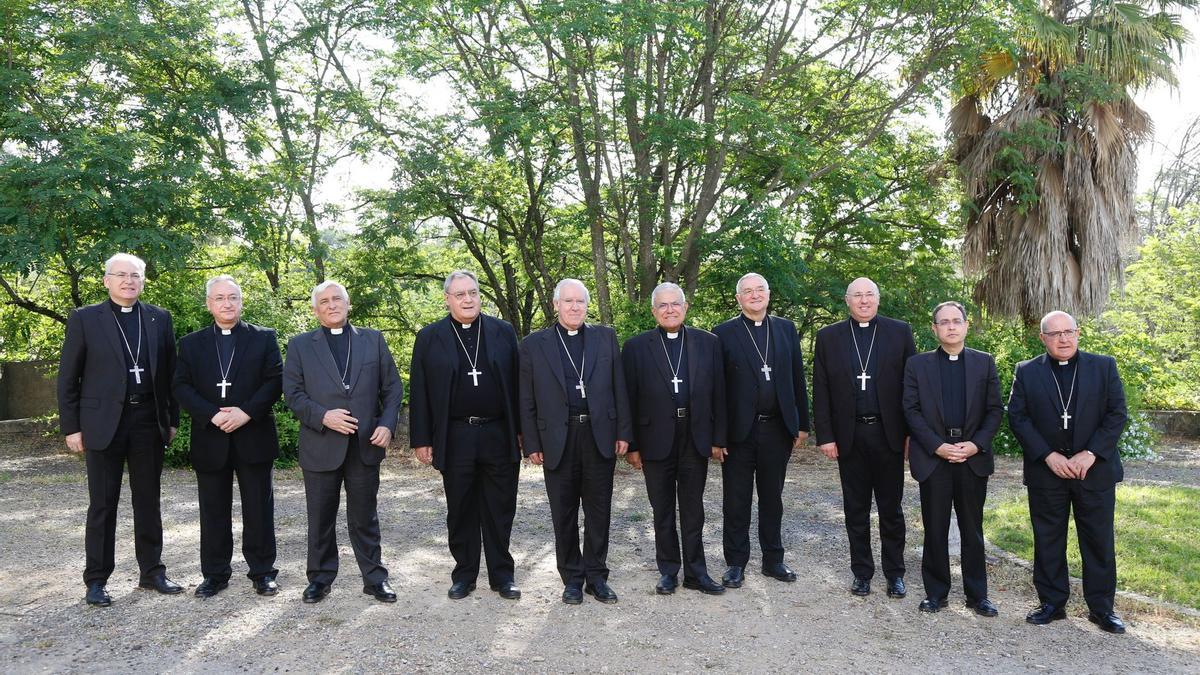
<point x="1067" y="410"/>
<point x="858" y="379"/>
<point x="952" y="404"/>
<point x="115" y="406"/>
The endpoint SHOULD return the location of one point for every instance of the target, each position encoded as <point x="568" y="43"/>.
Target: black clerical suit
<point x="764" y="418"/>
<point x="675" y="432"/>
<point x="352" y="370"/>
<point x="124" y="415"/>
<point x="470" y="420"/>
<point x="1097" y="417"/>
<point x="248" y="360"/>
<point x="952" y="401"/>
<point x="576" y="431"/>
<point x="869" y="429"/>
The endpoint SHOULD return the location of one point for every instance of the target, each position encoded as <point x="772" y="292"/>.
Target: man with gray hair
<point x="115" y="405"/>
<point x="341" y="382"/>
<point x="1067" y="410"/>
<point x="676" y="383"/>
<point x="575" y="413"/>
<point x="463" y="419"/>
<point x="228" y="379"/>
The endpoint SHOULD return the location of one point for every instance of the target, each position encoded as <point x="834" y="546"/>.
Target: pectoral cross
<point x="137" y="373"/>
<point x="224" y="384"/>
<point x="1065" y="418"/>
<point x="766" y="371"/>
<point x="863" y="379"/>
<point x="475" y="373"/>
<point x="582" y="389"/>
<point x="675" y="381"/>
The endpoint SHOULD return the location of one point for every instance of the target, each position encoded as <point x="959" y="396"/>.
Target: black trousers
<point x="872" y="468"/>
<point x="681" y="474"/>
<point x="953" y="485"/>
<point x="583" y="477"/>
<point x="322" y="493"/>
<point x="138" y="441"/>
<point x="480" y="478"/>
<point x="1049" y="509"/>
<point x="759" y="460"/>
<point x="215" y="490"/>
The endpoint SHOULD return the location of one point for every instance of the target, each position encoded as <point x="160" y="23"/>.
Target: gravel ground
<point x="813" y="625"/>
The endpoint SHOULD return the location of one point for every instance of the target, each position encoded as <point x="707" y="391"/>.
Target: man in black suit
<point x="575" y="417"/>
<point x="767" y="403"/>
<point x="115" y="403"/>
<point x="952" y="405"/>
<point x="1067" y="410"/>
<point x="228" y="379"/>
<point x="463" y="419"/>
<point x="676" y="387"/>
<point x="858" y="382"/>
<point x="341" y="382"/>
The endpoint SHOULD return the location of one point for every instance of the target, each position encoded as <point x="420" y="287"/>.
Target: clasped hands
<point x="340" y="420"/>
<point x="1074" y="468"/>
<point x="956" y="453"/>
<point x="230" y="419"/>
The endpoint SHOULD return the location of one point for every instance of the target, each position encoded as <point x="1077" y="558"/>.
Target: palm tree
<point x="1044" y="135"/>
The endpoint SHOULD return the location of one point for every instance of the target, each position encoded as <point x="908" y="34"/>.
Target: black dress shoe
<point x="162" y="584"/>
<point x="316" y="592"/>
<point x="704" y="584"/>
<point x="779" y="571"/>
<point x="96" y="595"/>
<point x="1109" y="623"/>
<point x="383" y="591"/>
<point x="860" y="586"/>
<point x="734" y="577"/>
<point x="667" y="584"/>
<point x="896" y="588"/>
<point x="265" y="586"/>
<point x="1044" y="614"/>
<point x="460" y="589"/>
<point x="508" y="590"/>
<point x="601" y="592"/>
<point x="932" y="605"/>
<point x="572" y="595"/>
<point x="210" y="587"/>
<point x="983" y="607"/>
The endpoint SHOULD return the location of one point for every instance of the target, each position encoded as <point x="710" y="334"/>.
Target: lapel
<point x="449" y="343"/>
<point x="358" y="345"/>
<point x="321" y="347"/>
<point x="151" y="339"/>
<point x="550" y="346"/>
<point x="750" y="351"/>
<point x="240" y="339"/>
<point x="692" y="358"/>
<point x="1045" y="375"/>
<point x="1081" y="374"/>
<point x="973" y="366"/>
<point x="660" y="362"/>
<point x="108" y="325"/>
<point x="852" y="354"/>
<point x="933" y="377"/>
<point x="591" y="348"/>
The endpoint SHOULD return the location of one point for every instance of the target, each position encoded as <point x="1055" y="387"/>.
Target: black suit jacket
<point x="743" y="367"/>
<point x="543" y="396"/>
<point x="648" y="379"/>
<point x="835" y="367"/>
<point x="923" y="411"/>
<point x="1100" y="416"/>
<point x="255" y="378"/>
<point x="436" y="366"/>
<point x="92" y="376"/>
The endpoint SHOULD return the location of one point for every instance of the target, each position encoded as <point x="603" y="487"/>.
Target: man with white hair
<point x="767" y="403"/>
<point x="575" y="419"/>
<point x="115" y="405"/>
<point x="858" y="386"/>
<point x="228" y="379"/>
<point x="676" y="383"/>
<point x="341" y="382"/>
<point x="1067" y="410"/>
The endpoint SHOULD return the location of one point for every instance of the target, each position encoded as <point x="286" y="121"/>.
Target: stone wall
<point x="1185" y="423"/>
<point x="27" y="389"/>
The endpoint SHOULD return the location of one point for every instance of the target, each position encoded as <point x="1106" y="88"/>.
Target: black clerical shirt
<point x="676" y="359"/>
<point x="866" y="402"/>
<point x="226" y="352"/>
<point x="573" y="367"/>
<point x="953" y="375"/>
<point x="339" y="347"/>
<point x="467" y="399"/>
<point x="1064" y="375"/>
<point x="133" y="327"/>
<point x="767" y="402"/>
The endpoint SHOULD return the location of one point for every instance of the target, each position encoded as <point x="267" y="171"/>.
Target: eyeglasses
<point x="860" y="296"/>
<point x="756" y="289"/>
<point x="946" y="323"/>
<point x="462" y="295"/>
<point x="662" y="306"/>
<point x="132" y="276"/>
<point x="220" y="299"/>
<point x="1069" y="333"/>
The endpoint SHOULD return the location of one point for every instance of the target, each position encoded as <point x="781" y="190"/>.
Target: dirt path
<point x="766" y="626"/>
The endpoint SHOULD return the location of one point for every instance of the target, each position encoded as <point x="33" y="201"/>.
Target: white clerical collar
<point x="864" y="324"/>
<point x="952" y="357"/>
<point x="572" y="333"/>
<point x="1063" y="363"/>
<point x="226" y="331"/>
<point x="126" y="310"/>
<point x="672" y="336"/>
<point x="466" y="326"/>
<point x="335" y="331"/>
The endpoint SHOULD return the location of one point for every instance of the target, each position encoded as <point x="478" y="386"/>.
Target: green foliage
<point x="286" y="424"/>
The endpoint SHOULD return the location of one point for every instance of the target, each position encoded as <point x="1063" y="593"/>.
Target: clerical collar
<point x="465" y="326"/>
<point x="948" y="356"/>
<point x="122" y="308"/>
<point x="863" y="324"/>
<point x="568" y="332"/>
<point x="335" y="331"/>
<point x="754" y="322"/>
<point x="1064" y="364"/>
<point x="226" y="331"/>
<point x="669" y="334"/>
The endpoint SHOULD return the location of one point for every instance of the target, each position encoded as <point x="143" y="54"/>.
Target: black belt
<point x="954" y="432"/>
<point x="139" y="399"/>
<point x="681" y="413"/>
<point x="764" y="418"/>
<point x="867" y="419"/>
<point x="475" y="421"/>
<point x="578" y="419"/>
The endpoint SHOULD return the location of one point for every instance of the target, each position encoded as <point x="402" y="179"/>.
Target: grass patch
<point x="1158" y="550"/>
